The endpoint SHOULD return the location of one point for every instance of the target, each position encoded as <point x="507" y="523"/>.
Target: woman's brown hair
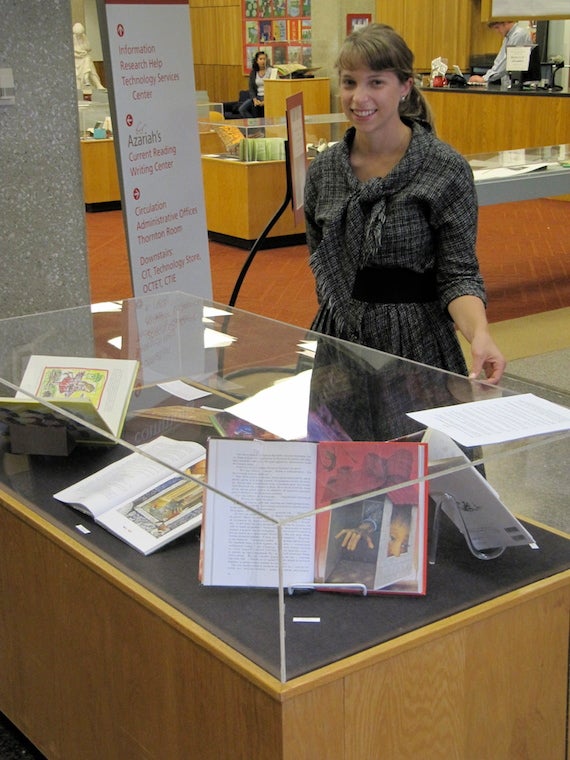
<point x="380" y="48"/>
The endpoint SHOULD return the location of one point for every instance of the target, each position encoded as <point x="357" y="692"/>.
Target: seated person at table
<point x="253" y="108"/>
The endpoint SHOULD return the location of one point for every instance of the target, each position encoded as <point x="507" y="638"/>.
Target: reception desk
<point x="486" y="120"/>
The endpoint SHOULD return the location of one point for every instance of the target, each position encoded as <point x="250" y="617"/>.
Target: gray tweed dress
<point x="408" y="239"/>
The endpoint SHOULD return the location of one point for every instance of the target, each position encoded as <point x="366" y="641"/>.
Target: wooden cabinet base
<point x="96" y="666"/>
<point x="316" y="95"/>
<point x="242" y="198"/>
<point x="100" y="176"/>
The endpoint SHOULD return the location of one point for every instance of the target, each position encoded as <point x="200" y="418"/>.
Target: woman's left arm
<point x="468" y="313"/>
<point x="461" y="286"/>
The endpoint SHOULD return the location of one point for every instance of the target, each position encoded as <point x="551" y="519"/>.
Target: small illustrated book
<point x="97" y="391"/>
<point x="142" y="501"/>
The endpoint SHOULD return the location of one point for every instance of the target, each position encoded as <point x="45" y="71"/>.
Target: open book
<point x="294" y="69"/>
<point x="97" y="391"/>
<point x="141" y="501"/>
<point x="377" y="540"/>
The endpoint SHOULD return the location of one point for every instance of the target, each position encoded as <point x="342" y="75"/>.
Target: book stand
<point x="53" y="439"/>
<point x="300" y="588"/>
<point x="451" y="505"/>
<point x="458" y="520"/>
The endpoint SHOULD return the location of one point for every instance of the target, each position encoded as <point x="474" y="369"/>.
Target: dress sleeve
<point x="313" y="231"/>
<point x="457" y="267"/>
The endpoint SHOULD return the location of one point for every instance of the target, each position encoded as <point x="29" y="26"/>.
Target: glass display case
<point x="207" y="371"/>
<point x="209" y="375"/>
<point x="517" y="175"/>
<point x="233" y="139"/>
<point x="95" y="116"/>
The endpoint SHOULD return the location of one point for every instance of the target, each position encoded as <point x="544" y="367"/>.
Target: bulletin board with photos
<point x="281" y="28"/>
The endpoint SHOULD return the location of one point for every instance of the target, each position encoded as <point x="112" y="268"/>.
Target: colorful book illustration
<point x="97" y="391"/>
<point x="372" y="536"/>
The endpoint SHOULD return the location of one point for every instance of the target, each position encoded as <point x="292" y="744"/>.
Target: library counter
<point x="485" y="120"/>
<point x="109" y="653"/>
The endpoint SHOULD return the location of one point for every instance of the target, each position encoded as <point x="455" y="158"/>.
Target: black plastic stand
<point x="258" y="243"/>
<point x="50" y="440"/>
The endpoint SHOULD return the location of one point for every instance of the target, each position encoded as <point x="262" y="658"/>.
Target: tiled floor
<point x="523" y="248"/>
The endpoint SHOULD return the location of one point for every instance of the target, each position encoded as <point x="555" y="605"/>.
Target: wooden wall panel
<point x="213" y="3"/>
<point x="216" y="42"/>
<point x="216" y="35"/>
<point x="222" y="83"/>
<point x="419" y="32"/>
<point x="393" y="14"/>
<point x="431" y="28"/>
<point x="450" y="28"/>
<point x="452" y="33"/>
<point x="483" y="39"/>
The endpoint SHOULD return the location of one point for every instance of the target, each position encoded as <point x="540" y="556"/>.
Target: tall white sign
<point x="149" y="49"/>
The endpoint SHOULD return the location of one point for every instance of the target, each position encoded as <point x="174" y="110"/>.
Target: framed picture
<point x="355" y="21"/>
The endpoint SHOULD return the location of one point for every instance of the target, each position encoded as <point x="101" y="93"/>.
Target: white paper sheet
<point x="281" y="409"/>
<point x="183" y="390"/>
<point x="496" y="420"/>
<point x="500" y="172"/>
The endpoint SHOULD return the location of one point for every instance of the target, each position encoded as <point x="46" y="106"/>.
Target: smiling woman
<point x="391" y="220"/>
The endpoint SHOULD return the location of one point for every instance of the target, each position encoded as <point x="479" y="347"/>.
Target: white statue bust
<point x="85" y="72"/>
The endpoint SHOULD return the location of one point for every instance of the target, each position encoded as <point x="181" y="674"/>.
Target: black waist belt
<point x="394" y="285"/>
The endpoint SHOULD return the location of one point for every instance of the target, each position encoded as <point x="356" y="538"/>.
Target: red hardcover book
<point x="373" y="539"/>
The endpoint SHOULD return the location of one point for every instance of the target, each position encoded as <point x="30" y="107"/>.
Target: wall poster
<point x="356" y="21"/>
<point x="281" y="28"/>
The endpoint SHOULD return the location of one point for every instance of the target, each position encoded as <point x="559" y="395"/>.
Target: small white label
<point x="306" y="620"/>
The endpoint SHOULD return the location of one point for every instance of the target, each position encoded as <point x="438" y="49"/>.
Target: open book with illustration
<point x="97" y="391"/>
<point x="141" y="501"/>
<point x="377" y="540"/>
<point x="294" y="69"/>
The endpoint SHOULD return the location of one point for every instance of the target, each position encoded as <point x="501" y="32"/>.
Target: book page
<point x="129" y="477"/>
<point x="240" y="547"/>
<point x="106" y="383"/>
<point x="377" y="540"/>
<point x="157" y="516"/>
